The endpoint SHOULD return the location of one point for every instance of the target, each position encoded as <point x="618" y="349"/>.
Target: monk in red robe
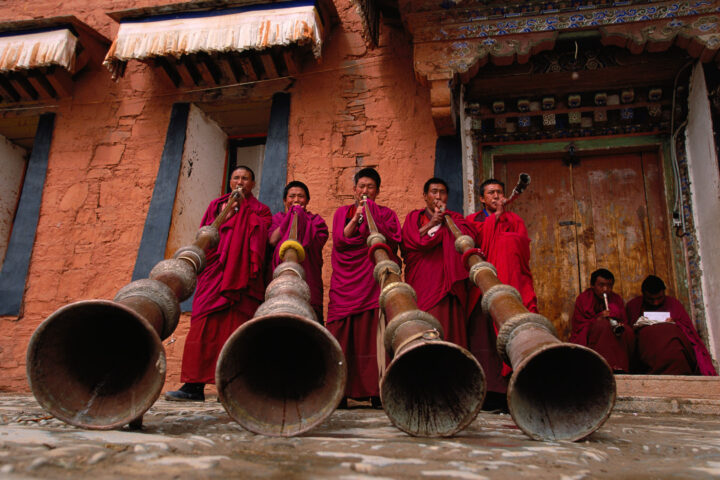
<point x="503" y="239"/>
<point x="312" y="233"/>
<point x="670" y="345"/>
<point x="353" y="308"/>
<point x="601" y="324"/>
<point x="229" y="289"/>
<point x="432" y="265"/>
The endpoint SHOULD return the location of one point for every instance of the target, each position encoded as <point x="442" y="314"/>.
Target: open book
<point x="651" y="318"/>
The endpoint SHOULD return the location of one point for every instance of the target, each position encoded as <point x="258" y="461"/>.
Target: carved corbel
<point x="441" y="102"/>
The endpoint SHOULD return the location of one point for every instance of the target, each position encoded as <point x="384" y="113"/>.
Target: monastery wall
<point x="356" y="107"/>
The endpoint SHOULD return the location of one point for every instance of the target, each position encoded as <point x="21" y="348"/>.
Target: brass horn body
<point x="282" y="373"/>
<point x="431" y="388"/>
<point x="558" y="391"/>
<point x="100" y="364"/>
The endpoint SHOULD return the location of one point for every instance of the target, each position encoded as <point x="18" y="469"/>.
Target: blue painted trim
<point x="17" y="257"/>
<point x="157" y="223"/>
<point x="274" y="171"/>
<point x="448" y="166"/>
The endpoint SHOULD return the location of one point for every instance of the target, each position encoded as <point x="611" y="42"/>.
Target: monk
<point x="229" y="289"/>
<point x="503" y="239"/>
<point x="353" y="308"/>
<point x="671" y="346"/>
<point x="604" y="328"/>
<point x="312" y="233"/>
<point x="432" y="265"/>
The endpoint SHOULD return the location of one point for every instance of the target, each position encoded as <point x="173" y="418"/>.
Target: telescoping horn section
<point x="96" y="364"/>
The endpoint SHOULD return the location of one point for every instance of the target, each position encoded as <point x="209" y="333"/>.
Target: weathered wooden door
<point x="606" y="211"/>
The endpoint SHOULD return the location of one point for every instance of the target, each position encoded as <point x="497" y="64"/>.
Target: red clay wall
<point x="357" y="107"/>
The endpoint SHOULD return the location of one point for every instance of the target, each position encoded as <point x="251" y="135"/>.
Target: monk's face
<point x="365" y="186"/>
<point x="242" y="178"/>
<point x="436" y="196"/>
<point x="602" y="285"/>
<point x="493" y="196"/>
<point x="295" y="196"/>
<point x="653" y="300"/>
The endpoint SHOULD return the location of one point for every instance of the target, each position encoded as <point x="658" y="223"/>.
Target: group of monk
<point x="232" y="285"/>
<point x="652" y="334"/>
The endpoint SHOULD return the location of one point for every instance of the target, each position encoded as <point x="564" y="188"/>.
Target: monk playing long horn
<point x="353" y="308"/>
<point x="503" y="238"/>
<point x="432" y="265"/>
<point x="230" y="288"/>
<point x="312" y="233"/>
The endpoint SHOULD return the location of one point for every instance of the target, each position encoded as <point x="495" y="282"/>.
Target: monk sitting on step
<point x="667" y="342"/>
<point x="599" y="322"/>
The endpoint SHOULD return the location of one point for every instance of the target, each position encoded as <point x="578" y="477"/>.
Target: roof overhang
<point x="38" y="58"/>
<point x="454" y="40"/>
<point x="218" y="43"/>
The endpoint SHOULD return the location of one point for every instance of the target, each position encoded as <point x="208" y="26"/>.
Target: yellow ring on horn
<point x="294" y="245"/>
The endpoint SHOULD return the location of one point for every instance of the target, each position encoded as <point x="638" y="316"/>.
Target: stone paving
<point x="201" y="441"/>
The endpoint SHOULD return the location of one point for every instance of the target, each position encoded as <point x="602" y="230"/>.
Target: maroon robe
<point x="595" y="332"/>
<point x="312" y="233"/>
<point x="435" y="270"/>
<point x="353" y="307"/>
<point x="672" y="348"/>
<point x="229" y="289"/>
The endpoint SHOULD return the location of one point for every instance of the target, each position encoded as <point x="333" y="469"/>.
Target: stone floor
<point x="201" y="441"/>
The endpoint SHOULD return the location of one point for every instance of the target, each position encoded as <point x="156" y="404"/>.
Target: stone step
<point x="668" y="394"/>
<point x="670" y="386"/>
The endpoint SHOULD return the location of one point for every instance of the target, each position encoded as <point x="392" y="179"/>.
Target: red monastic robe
<point x="435" y="270"/>
<point x="595" y="332"/>
<point x="229" y="289"/>
<point x="506" y="245"/>
<point x="504" y="241"/>
<point x="353" y="308"/>
<point x="672" y="348"/>
<point x="312" y="233"/>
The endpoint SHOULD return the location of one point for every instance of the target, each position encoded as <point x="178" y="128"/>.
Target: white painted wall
<point x="202" y="177"/>
<point x="13" y="160"/>
<point x="470" y="157"/>
<point x="705" y="193"/>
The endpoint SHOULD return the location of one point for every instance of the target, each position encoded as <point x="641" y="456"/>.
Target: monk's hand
<point x="604" y="314"/>
<point x="500" y="206"/>
<point x="437" y="217"/>
<point x="359" y="213"/>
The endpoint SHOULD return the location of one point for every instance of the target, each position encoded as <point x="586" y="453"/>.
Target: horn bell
<point x="562" y="391"/>
<point x="281" y="374"/>
<point x="433" y="388"/>
<point x="96" y="364"/>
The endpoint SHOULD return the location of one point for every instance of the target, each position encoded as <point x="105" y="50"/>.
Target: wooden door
<point x="607" y="211"/>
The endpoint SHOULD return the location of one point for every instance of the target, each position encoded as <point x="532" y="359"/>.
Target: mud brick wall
<point x="356" y="107"/>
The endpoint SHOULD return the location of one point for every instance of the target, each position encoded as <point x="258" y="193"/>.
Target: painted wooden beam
<point x="13" y="275"/>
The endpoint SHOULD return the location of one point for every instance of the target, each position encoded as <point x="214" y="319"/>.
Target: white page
<point x="657" y="316"/>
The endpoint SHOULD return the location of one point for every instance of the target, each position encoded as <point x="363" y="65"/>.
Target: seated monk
<point x="353" y="311"/>
<point x="432" y="265"/>
<point x="671" y="346"/>
<point x="229" y="289"/>
<point x="599" y="322"/>
<point x="503" y="238"/>
<point x="312" y="233"/>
